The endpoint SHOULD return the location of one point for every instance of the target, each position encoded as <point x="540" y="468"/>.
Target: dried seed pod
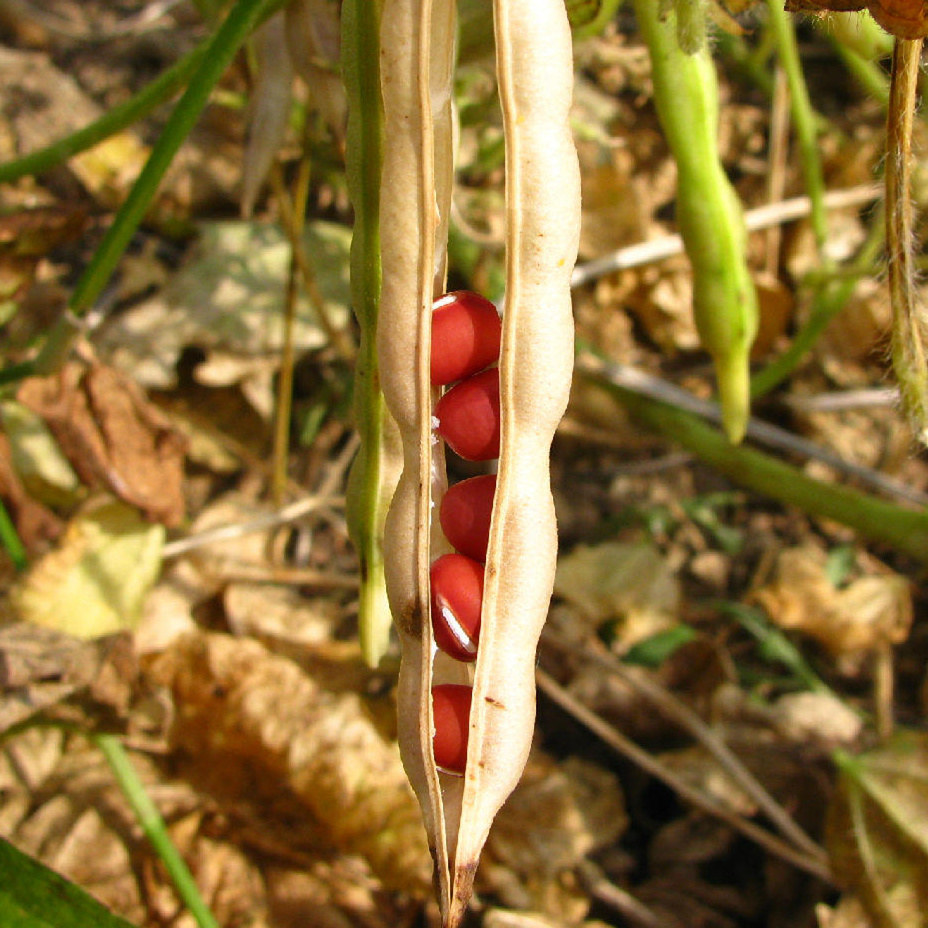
<point x="465" y="336"/>
<point x="468" y="417"/>
<point x="457" y="594"/>
<point x="905" y="19"/>
<point x="465" y="515"/>
<point x="535" y="73"/>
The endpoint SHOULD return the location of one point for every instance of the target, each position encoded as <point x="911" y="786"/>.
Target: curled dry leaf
<point x="905" y="19"/>
<point x="632" y="583"/>
<point x="851" y="621"/>
<point x="113" y="436"/>
<point x="255" y="723"/>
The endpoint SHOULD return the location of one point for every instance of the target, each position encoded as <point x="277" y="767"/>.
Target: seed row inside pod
<point x="466" y="332"/>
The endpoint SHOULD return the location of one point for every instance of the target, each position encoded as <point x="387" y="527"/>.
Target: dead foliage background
<point x="770" y="666"/>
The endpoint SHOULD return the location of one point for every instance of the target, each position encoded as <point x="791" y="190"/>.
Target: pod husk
<point x="535" y="73"/>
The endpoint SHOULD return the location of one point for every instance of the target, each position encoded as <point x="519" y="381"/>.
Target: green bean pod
<point x="709" y="213"/>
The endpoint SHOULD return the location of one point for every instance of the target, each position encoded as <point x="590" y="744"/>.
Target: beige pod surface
<point x="417" y="49"/>
<point x="535" y="73"/>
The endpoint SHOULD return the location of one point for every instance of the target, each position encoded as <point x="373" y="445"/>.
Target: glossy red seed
<point x="468" y="416"/>
<point x="465" y="515"/>
<point x="451" y="712"/>
<point x="457" y="593"/>
<point x="466" y="332"/>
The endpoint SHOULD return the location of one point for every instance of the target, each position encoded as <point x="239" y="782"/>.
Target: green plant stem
<point x="153" y="826"/>
<point x="227" y="40"/>
<point x="829" y="300"/>
<point x="905" y="530"/>
<point x="803" y="119"/>
<point x="10" y="540"/>
<point x="372" y="481"/>
<point x="866" y="73"/>
<point x="111" y="122"/>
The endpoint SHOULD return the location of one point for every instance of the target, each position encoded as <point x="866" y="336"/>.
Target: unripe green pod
<point x="708" y="211"/>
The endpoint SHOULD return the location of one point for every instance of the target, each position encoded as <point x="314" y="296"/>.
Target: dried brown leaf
<point x="113" y="436"/>
<point x="850" y="621"/>
<point x="615" y="580"/>
<point x="256" y="724"/>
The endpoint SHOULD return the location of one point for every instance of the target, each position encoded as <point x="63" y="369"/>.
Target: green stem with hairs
<point x="904" y="530"/>
<point x="372" y="480"/>
<point x="804" y="119"/>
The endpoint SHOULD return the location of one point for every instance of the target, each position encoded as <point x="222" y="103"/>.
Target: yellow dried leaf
<point x="616" y="580"/>
<point x="877" y="831"/>
<point x="848" y="621"/>
<point x="95" y="582"/>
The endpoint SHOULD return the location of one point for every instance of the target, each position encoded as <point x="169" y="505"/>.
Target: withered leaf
<point x="251" y="719"/>
<point x="40" y="668"/>
<point x="113" y="436"/>
<point x="877" y="832"/>
<point x="905" y="19"/>
<point x="95" y="582"/>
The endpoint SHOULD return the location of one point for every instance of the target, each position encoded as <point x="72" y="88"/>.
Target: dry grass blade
<point x="627" y="748"/>
<point x="910" y="328"/>
<point x="675" y="710"/>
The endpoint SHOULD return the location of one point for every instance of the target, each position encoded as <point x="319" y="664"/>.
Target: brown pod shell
<point x="535" y="72"/>
<point x="905" y="19"/>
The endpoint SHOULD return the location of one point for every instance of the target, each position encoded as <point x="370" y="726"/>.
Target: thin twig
<point x="260" y="524"/>
<point x="606" y="892"/>
<point x="681" y="714"/>
<point x="843" y="400"/>
<point x="291" y="576"/>
<point x="627" y="748"/>
<point x="763" y="217"/>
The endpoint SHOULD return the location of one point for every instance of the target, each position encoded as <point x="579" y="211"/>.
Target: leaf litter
<point x="264" y="742"/>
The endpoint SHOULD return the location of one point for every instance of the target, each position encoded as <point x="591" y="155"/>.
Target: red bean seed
<point x="451" y="713"/>
<point x="465" y="515"/>
<point x="457" y="594"/>
<point x="466" y="333"/>
<point x="468" y="416"/>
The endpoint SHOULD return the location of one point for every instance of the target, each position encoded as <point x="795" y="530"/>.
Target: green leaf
<point x="32" y="896"/>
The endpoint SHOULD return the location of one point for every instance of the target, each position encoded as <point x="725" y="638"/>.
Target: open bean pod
<point x="535" y="75"/>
